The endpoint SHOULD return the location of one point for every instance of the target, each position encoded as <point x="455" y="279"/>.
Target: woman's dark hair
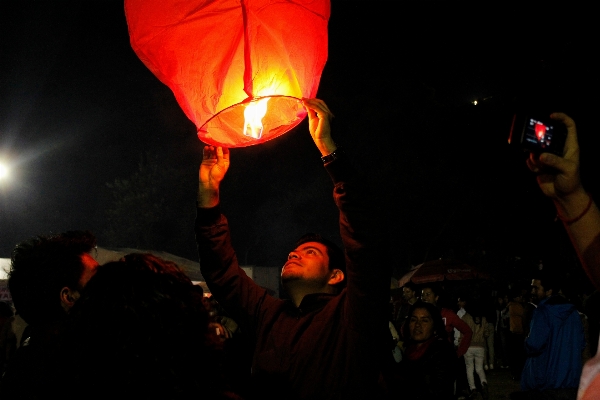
<point x="439" y="329"/>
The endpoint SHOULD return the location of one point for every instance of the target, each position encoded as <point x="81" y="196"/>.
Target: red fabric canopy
<point x="440" y="270"/>
<point x="219" y="56"/>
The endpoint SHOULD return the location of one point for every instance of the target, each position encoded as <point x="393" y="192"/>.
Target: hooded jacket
<point x="553" y="347"/>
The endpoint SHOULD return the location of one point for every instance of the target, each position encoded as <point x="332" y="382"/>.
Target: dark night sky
<point x="79" y="110"/>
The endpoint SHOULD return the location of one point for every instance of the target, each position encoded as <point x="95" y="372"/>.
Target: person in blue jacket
<point x="555" y="342"/>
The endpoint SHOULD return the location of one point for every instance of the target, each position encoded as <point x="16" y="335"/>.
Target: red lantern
<point x="238" y="68"/>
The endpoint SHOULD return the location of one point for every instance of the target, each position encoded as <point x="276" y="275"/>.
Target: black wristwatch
<point x="337" y="153"/>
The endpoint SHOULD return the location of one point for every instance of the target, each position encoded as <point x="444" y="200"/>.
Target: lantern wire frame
<point x="226" y="128"/>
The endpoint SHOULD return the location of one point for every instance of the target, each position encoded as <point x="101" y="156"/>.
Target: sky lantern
<point x="238" y="68"/>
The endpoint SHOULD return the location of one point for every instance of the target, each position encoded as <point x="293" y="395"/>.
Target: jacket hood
<point x="559" y="307"/>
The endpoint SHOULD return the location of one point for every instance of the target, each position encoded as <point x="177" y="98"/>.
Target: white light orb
<point x="3" y="171"/>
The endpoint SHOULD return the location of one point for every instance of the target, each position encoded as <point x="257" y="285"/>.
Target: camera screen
<point x="538" y="135"/>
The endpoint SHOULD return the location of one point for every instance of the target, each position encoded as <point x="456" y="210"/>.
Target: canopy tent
<point x="190" y="268"/>
<point x="442" y="270"/>
<point x="4" y="267"/>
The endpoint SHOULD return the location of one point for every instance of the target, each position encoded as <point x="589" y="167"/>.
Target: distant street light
<point x="3" y="172"/>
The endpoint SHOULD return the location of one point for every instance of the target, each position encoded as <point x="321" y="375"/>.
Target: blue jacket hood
<point x="560" y="307"/>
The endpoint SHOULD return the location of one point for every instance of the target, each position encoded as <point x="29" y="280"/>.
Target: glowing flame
<point x="253" y="115"/>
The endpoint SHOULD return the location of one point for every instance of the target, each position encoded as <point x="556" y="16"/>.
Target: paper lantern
<point x="238" y="68"/>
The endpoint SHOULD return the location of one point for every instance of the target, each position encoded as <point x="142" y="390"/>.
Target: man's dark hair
<point x="412" y="286"/>
<point x="140" y="326"/>
<point x="337" y="259"/>
<point x="41" y="267"/>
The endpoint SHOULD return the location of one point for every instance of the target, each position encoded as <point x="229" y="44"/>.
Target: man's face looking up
<point x="309" y="261"/>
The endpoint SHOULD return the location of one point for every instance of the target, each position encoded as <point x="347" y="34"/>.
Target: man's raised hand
<point x="215" y="162"/>
<point x="319" y="116"/>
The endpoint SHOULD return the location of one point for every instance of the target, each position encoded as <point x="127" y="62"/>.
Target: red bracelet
<point x="577" y="218"/>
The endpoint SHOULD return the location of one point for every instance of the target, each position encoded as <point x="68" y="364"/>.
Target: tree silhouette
<point x="151" y="209"/>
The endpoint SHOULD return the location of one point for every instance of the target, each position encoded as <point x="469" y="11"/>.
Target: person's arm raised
<point x="215" y="162"/>
<point x="558" y="177"/>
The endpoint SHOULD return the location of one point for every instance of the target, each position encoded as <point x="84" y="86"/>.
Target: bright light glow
<point x="540" y="131"/>
<point x="474" y="102"/>
<point x="3" y="171"/>
<point x="253" y="115"/>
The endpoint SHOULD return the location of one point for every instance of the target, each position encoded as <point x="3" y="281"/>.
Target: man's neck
<point x="412" y="300"/>
<point x="297" y="290"/>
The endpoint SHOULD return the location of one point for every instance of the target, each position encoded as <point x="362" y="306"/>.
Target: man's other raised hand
<point x="214" y="166"/>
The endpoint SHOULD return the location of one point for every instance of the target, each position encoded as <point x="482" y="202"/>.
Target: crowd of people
<point x="139" y="328"/>
<point x="491" y="329"/>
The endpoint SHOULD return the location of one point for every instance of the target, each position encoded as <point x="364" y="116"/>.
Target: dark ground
<point x="501" y="384"/>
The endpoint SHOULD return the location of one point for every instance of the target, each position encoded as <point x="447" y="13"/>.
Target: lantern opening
<point x="232" y="127"/>
<point x="253" y="115"/>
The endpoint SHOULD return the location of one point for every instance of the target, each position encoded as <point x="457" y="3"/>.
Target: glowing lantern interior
<point x="540" y="131"/>
<point x="254" y="112"/>
<point x="238" y="68"/>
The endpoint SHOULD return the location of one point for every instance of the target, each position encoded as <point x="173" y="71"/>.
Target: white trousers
<point x="474" y="360"/>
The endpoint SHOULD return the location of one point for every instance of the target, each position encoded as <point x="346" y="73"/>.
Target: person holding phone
<point x="559" y="179"/>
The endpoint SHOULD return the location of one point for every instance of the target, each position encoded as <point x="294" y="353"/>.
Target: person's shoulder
<point x="468" y="318"/>
<point x="515" y="305"/>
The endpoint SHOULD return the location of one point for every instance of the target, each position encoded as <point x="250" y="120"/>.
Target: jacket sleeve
<point x="540" y="330"/>
<point x="243" y="299"/>
<point x="465" y="331"/>
<point x="365" y="238"/>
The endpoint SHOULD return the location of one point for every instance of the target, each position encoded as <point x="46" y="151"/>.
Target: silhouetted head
<point x="47" y="274"/>
<point x="141" y="328"/>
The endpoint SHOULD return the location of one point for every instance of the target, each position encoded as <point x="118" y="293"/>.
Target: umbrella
<point x="440" y="270"/>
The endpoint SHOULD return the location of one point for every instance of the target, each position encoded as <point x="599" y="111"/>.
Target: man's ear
<point x="68" y="298"/>
<point x="337" y="276"/>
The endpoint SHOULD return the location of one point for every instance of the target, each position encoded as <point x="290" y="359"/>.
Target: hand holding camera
<point x="558" y="174"/>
